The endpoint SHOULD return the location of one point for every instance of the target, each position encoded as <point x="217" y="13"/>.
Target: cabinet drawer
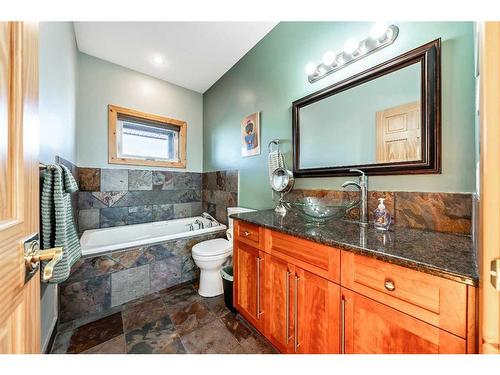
<point x="374" y="328"/>
<point x="322" y="260"/>
<point x="438" y="301"/>
<point x="248" y="233"/>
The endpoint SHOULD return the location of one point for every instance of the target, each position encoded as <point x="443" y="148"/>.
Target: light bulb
<point x="329" y="58"/>
<point x="351" y="45"/>
<point x="378" y="31"/>
<point x="310" y="68"/>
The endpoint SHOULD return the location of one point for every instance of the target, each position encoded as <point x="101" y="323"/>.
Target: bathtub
<point x="104" y="240"/>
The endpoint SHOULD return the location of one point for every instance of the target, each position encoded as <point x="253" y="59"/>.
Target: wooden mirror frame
<point x="429" y="55"/>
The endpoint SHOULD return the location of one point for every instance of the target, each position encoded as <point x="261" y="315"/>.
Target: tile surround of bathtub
<point x="441" y="212"/>
<point x="102" y="283"/>
<point x="220" y="191"/>
<point x="115" y="197"/>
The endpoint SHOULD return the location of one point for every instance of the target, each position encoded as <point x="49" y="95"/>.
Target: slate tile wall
<point x="115" y="197"/>
<point x="220" y="191"/>
<point x="103" y="283"/>
<point x="442" y="212"/>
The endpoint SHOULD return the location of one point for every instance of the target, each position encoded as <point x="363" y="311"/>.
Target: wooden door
<point x="317" y="311"/>
<point x="373" y="328"/>
<point x="489" y="217"/>
<point x="249" y="282"/>
<point x="399" y="133"/>
<point x="19" y="209"/>
<point x="279" y="296"/>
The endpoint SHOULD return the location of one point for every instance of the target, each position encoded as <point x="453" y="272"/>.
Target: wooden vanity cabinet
<point x="303" y="309"/>
<point x="249" y="283"/>
<point x="370" y="327"/>
<point x="317" y="321"/>
<point x="279" y="291"/>
<point x="309" y="298"/>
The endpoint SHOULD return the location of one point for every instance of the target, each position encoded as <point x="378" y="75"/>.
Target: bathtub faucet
<point x="200" y="224"/>
<point x="212" y="222"/>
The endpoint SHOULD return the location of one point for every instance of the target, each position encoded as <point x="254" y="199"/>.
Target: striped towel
<point x="58" y="227"/>
<point x="275" y="160"/>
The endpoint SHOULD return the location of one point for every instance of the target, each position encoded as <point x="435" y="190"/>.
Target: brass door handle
<point x="33" y="256"/>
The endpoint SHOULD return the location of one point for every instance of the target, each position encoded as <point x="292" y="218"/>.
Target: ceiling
<point x="193" y="55"/>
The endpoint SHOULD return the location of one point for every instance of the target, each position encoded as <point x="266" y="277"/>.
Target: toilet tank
<point x="235" y="210"/>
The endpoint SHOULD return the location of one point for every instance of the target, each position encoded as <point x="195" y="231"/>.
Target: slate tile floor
<point x="173" y="321"/>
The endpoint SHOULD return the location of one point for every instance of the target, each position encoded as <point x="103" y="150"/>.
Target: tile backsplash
<point x="441" y="212"/>
<point x="114" y="197"/>
<point x="220" y="191"/>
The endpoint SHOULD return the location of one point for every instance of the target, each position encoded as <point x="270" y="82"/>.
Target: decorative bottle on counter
<point x="382" y="216"/>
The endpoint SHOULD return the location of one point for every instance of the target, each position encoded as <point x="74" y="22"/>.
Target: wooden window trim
<point x="114" y="111"/>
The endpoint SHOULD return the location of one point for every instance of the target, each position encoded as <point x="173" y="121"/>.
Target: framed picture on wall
<point x="250" y="135"/>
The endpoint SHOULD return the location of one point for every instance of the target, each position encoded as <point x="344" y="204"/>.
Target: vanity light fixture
<point x="381" y="36"/>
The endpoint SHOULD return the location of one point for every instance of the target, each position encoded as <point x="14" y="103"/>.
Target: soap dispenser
<point x="382" y="216"/>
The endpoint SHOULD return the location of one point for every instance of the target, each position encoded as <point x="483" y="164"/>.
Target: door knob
<point x="33" y="256"/>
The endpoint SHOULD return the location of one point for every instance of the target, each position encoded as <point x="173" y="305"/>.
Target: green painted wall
<point x="271" y="76"/>
<point x="102" y="83"/>
<point x="58" y="82"/>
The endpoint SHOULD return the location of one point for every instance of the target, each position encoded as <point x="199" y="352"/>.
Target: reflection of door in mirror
<point x="398" y="133"/>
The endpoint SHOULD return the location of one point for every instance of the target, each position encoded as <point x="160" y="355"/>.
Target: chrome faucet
<point x="211" y="220"/>
<point x="200" y="224"/>
<point x="362" y="185"/>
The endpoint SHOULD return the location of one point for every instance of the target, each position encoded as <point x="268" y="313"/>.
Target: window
<point x="143" y="139"/>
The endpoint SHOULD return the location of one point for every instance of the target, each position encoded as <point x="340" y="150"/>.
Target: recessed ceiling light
<point x="158" y="60"/>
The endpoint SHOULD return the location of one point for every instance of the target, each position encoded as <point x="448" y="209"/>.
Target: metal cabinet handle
<point x="389" y="285"/>
<point x="246" y="233"/>
<point x="342" y="325"/>
<point x="258" y="288"/>
<point x="287" y="306"/>
<point x="296" y="343"/>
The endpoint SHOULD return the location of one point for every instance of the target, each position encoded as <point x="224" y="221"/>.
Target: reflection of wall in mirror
<point x="399" y="134"/>
<point x="340" y="130"/>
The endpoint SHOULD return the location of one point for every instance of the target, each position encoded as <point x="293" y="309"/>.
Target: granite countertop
<point x="443" y="254"/>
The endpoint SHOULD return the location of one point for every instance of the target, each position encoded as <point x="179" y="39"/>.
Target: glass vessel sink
<point x="318" y="211"/>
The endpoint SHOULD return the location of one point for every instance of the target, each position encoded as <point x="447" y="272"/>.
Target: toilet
<point x="211" y="255"/>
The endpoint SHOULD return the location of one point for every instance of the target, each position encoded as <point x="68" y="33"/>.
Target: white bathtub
<point x="98" y="241"/>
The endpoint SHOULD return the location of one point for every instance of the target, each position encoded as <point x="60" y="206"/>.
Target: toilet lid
<point x="217" y="246"/>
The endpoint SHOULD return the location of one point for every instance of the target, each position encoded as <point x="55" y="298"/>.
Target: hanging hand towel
<point x="58" y="227"/>
<point x="274" y="161"/>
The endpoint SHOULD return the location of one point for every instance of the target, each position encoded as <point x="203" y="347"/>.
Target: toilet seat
<point x="212" y="248"/>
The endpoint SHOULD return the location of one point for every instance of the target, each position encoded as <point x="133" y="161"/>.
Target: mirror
<point x="385" y="120"/>
<point x="282" y="182"/>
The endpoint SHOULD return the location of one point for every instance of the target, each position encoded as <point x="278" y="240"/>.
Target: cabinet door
<point x="249" y="282"/>
<point x="316" y="309"/>
<point x="278" y="291"/>
<point x="373" y="328"/>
